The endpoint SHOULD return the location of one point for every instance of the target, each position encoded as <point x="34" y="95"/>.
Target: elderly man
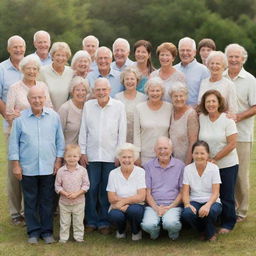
<point x="103" y="129"/>
<point x="164" y="176"/>
<point x="246" y="98"/>
<point x="103" y="59"/>
<point x="91" y="44"/>
<point x="36" y="147"/>
<point x="121" y="51"/>
<point x="42" y="43"/>
<point x="194" y="71"/>
<point x="10" y="74"/>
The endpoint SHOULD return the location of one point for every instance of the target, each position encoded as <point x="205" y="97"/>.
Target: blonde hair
<point x="72" y="147"/>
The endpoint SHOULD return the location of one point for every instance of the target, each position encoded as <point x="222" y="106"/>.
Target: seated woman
<point x="126" y="192"/>
<point x="201" y="186"/>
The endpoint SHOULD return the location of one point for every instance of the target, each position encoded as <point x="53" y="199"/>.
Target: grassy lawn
<point x="242" y="241"/>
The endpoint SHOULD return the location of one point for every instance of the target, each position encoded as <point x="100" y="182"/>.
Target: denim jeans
<point x="206" y="224"/>
<point x="170" y="222"/>
<point x="96" y="198"/>
<point x="133" y="214"/>
<point x="38" y="204"/>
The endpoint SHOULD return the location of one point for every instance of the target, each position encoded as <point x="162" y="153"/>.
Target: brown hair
<point x="207" y="42"/>
<point x="167" y="47"/>
<point x="201" y="143"/>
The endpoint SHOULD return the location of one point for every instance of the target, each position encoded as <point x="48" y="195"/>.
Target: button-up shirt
<point x="46" y="61"/>
<point x="113" y="77"/>
<point x="102" y="130"/>
<point x="194" y="73"/>
<point x="36" y="141"/>
<point x="127" y="63"/>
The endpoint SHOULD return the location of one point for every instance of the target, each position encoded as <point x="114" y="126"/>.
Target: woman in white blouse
<point x="220" y="133"/>
<point x="126" y="192"/>
<point x="201" y="186"/>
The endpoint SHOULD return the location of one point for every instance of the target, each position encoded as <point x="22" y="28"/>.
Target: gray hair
<point x="178" y="87"/>
<point x="217" y="54"/>
<point x="163" y="138"/>
<point x="153" y="82"/>
<point x="129" y="147"/>
<point x="77" y="80"/>
<point x="15" y="37"/>
<point x="128" y="70"/>
<point x="80" y="54"/>
<point x="102" y="79"/>
<point x="41" y="32"/>
<point x="91" y="37"/>
<point x="187" y="40"/>
<point x="60" y="46"/>
<point x="239" y="47"/>
<point x="103" y="48"/>
<point x="30" y="58"/>
<point x="123" y="42"/>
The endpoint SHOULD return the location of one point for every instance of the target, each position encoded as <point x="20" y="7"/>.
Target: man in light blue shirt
<point x="194" y="71"/>
<point x="103" y="60"/>
<point x="36" y="148"/>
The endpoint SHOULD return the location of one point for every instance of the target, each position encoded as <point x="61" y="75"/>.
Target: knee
<point x="115" y="215"/>
<point x="187" y="214"/>
<point x="174" y="225"/>
<point x="135" y="210"/>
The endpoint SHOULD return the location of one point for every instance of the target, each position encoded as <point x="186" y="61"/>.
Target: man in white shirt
<point x="103" y="129"/>
<point x="246" y="99"/>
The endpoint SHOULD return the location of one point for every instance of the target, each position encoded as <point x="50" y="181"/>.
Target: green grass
<point x="240" y="242"/>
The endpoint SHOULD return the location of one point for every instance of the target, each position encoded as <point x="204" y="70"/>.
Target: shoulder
<point x="211" y="167"/>
<point x="69" y="70"/>
<point x="177" y="162"/>
<point x="114" y="173"/>
<point x="15" y="85"/>
<point x="119" y="95"/>
<point x="139" y="170"/>
<point x="65" y="106"/>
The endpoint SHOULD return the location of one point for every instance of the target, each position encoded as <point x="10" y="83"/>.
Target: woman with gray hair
<point x="217" y="63"/>
<point x="184" y="123"/>
<point x="81" y="63"/>
<point x="130" y="97"/>
<point x="71" y="111"/>
<point x="57" y="76"/>
<point x="151" y="119"/>
<point x="126" y="192"/>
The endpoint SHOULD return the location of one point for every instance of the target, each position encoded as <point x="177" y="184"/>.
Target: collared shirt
<point x="113" y="77"/>
<point x="72" y="181"/>
<point x="46" y="61"/>
<point x="245" y="84"/>
<point x="194" y="73"/>
<point x="102" y="130"/>
<point x="8" y="76"/>
<point x="127" y="63"/>
<point x="36" y="141"/>
<point x="165" y="183"/>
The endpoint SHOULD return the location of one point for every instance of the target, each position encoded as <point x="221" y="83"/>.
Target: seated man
<point x="164" y="175"/>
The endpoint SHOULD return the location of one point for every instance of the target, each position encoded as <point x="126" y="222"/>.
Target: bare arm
<point x="186" y="198"/>
<point x="17" y="170"/>
<point x="246" y="114"/>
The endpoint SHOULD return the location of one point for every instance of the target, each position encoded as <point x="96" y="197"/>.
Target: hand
<point x="73" y="195"/>
<point x="204" y="211"/>
<point x="232" y="116"/>
<point x="124" y="208"/>
<point x="117" y="163"/>
<point x="137" y="162"/>
<point x="83" y="160"/>
<point x="120" y="204"/>
<point x="212" y="160"/>
<point x="193" y="209"/>
<point x="57" y="165"/>
<point x="17" y="171"/>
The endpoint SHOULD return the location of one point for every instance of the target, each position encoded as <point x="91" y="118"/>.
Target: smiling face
<point x="72" y="157"/>
<point x="121" y="54"/>
<point x="165" y="58"/>
<point x="42" y="44"/>
<point x="204" y="52"/>
<point x="79" y="93"/>
<point x="101" y="92"/>
<point x="179" y="99"/>
<point x="212" y="104"/>
<point x="36" y="99"/>
<point x="186" y="53"/>
<point x="163" y="151"/>
<point x="16" y="49"/>
<point x="82" y="66"/>
<point x="126" y="159"/>
<point x="200" y="155"/>
<point x="90" y="45"/>
<point x="216" y="65"/>
<point x="235" y="58"/>
<point x="59" y="58"/>
<point x="30" y="71"/>
<point x="130" y="81"/>
<point x="155" y="93"/>
<point x="103" y="61"/>
<point x="141" y="54"/>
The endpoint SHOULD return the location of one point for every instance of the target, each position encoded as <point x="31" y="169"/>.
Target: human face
<point x="121" y="54"/>
<point x="59" y="58"/>
<point x="155" y="93"/>
<point x="211" y="104"/>
<point x="101" y="92"/>
<point x="179" y="99"/>
<point x="165" y="58"/>
<point x="126" y="159"/>
<point x="16" y="49"/>
<point x="141" y="54"/>
<point x="130" y="81"/>
<point x="216" y="65"/>
<point x="103" y="61"/>
<point x="36" y="99"/>
<point x="204" y="53"/>
<point x="72" y="157"/>
<point x="30" y="71"/>
<point x="82" y="66"/>
<point x="79" y="93"/>
<point x="186" y="53"/>
<point x="91" y="46"/>
<point x="235" y="59"/>
<point x="163" y="151"/>
<point x="42" y="44"/>
<point x="200" y="155"/>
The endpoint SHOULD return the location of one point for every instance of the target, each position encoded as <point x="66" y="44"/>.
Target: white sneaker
<point x="136" y="237"/>
<point x="120" y="236"/>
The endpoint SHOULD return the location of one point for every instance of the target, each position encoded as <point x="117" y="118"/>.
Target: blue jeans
<point x="227" y="196"/>
<point x="133" y="214"/>
<point x="38" y="204"/>
<point x="96" y="198"/>
<point x="206" y="224"/>
<point x="170" y="222"/>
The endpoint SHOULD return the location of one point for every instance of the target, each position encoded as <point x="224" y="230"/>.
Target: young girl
<point x="71" y="183"/>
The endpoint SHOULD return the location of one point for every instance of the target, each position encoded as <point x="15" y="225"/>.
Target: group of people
<point x="149" y="146"/>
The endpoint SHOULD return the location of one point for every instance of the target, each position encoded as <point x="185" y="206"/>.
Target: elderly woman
<point x="201" y="186"/>
<point x="151" y="119"/>
<point x="71" y="111"/>
<point x="205" y="46"/>
<point x="17" y="94"/>
<point x="220" y="133"/>
<point x="81" y="63"/>
<point x="126" y="192"/>
<point x="142" y="53"/>
<point x="167" y="53"/>
<point x="130" y="97"/>
<point x="217" y="63"/>
<point x="184" y="123"/>
<point x="57" y="76"/>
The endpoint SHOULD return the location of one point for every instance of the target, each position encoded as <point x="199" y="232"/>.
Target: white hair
<point x="60" y="46"/>
<point x="93" y="38"/>
<point x="103" y="48"/>
<point x="178" y="87"/>
<point x="163" y="138"/>
<point x="153" y="82"/>
<point x="238" y="47"/>
<point x="123" y="42"/>
<point x="129" y="147"/>
<point x="77" y="80"/>
<point x="80" y="54"/>
<point x="15" y="37"/>
<point x="30" y="58"/>
<point x="42" y="32"/>
<point x="217" y="54"/>
<point x="187" y="40"/>
<point x="128" y="70"/>
<point x="102" y="80"/>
